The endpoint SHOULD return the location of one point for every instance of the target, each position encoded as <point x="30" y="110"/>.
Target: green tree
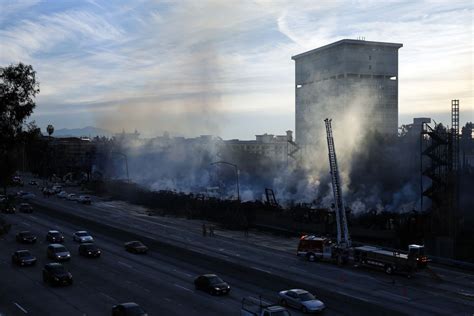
<point x="18" y="88"/>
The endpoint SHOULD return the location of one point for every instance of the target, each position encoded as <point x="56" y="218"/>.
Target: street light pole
<point x="237" y="172"/>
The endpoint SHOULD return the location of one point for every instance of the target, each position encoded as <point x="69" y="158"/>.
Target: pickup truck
<point x="256" y="307"/>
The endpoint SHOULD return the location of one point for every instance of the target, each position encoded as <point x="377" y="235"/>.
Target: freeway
<point x="265" y="270"/>
<point x="162" y="285"/>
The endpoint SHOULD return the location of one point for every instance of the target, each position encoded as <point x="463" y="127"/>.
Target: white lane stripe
<point x="107" y="296"/>
<point x="125" y="264"/>
<point x="33" y="217"/>
<point x="20" y="307"/>
<point x="182" y="287"/>
<point x="26" y="224"/>
<point x="263" y="270"/>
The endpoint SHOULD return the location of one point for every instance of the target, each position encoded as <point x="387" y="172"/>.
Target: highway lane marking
<point x="392" y="295"/>
<point x="260" y="269"/>
<point x="354" y="296"/>
<point x="107" y="296"/>
<point x="33" y="217"/>
<point x="182" y="287"/>
<point x="26" y="224"/>
<point x="181" y="272"/>
<point x="125" y="264"/>
<point x="20" y="307"/>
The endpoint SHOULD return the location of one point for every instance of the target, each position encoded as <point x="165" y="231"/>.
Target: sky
<point x="223" y="67"/>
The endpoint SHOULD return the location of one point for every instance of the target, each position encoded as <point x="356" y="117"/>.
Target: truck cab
<point x="256" y="307"/>
<point x="418" y="251"/>
<point x="315" y="248"/>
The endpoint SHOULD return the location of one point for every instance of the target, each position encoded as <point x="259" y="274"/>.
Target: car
<point x="8" y="209"/>
<point x="26" y="237"/>
<point x="212" y="284"/>
<point x="82" y="236"/>
<point x="128" y="309"/>
<point x="23" y="258"/>
<point x="56" y="274"/>
<point x="26" y="208"/>
<point x="89" y="250"/>
<point x="302" y="300"/>
<point x="84" y="199"/>
<point x="33" y="182"/>
<point x="135" y="247"/>
<point x="58" y="252"/>
<point x="71" y="197"/>
<point x="62" y="195"/>
<point x="56" y="189"/>
<point x="54" y="236"/>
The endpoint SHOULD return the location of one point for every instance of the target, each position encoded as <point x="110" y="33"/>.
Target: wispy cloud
<point x="135" y="62"/>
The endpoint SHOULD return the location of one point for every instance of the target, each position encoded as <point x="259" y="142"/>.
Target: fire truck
<point x="341" y="250"/>
<point x="391" y="261"/>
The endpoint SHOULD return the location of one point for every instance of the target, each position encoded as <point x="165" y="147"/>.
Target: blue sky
<point x="222" y="67"/>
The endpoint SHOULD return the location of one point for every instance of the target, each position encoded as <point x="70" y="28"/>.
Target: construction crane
<point x="343" y="239"/>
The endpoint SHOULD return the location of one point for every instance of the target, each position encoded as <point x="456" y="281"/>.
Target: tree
<point x="18" y="88"/>
<point x="50" y="130"/>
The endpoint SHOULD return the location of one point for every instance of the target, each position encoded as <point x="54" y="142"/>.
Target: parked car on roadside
<point x="211" y="284"/>
<point x="23" y="258"/>
<point x="54" y="236"/>
<point x="56" y="189"/>
<point x="135" y="247"/>
<point x="84" y="199"/>
<point x="89" y="250"/>
<point x="33" y="182"/>
<point x="26" y="237"/>
<point x="62" y="195"/>
<point x="26" y="208"/>
<point x="128" y="309"/>
<point x="82" y="236"/>
<point x="58" y="252"/>
<point x="302" y="300"/>
<point x="56" y="274"/>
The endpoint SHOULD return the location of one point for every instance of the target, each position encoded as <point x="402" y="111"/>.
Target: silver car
<point x="82" y="236"/>
<point x="302" y="300"/>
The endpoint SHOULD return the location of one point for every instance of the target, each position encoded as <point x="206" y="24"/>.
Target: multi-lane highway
<point x="178" y="253"/>
<point x="162" y="285"/>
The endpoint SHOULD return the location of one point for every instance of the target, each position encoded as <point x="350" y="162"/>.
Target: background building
<point x="332" y="78"/>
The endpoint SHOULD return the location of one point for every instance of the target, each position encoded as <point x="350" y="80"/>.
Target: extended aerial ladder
<point x="343" y="239"/>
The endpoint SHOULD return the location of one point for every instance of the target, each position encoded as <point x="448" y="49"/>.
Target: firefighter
<point x="204" y="231"/>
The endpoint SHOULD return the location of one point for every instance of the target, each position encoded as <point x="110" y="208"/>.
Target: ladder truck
<point x="343" y="241"/>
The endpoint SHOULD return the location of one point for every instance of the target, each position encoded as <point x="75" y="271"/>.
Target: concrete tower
<point x="331" y="80"/>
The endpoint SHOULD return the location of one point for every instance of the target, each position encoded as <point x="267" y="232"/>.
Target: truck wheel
<point x="304" y="310"/>
<point x="388" y="269"/>
<point x="311" y="257"/>
<point x="283" y="303"/>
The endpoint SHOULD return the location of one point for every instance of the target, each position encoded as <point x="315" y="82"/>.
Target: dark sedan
<point x="54" y="236"/>
<point x="128" y="309"/>
<point x="25" y="237"/>
<point x="8" y="209"/>
<point x="56" y="274"/>
<point x="23" y="258"/>
<point x="212" y="284"/>
<point x="135" y="247"/>
<point x="89" y="250"/>
<point x="26" y="208"/>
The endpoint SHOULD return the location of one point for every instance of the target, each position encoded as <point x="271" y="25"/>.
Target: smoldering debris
<point x="376" y="175"/>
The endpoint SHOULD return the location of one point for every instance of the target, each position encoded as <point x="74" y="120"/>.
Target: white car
<point x="72" y="197"/>
<point x="82" y="236"/>
<point x="302" y="300"/>
<point x="84" y="199"/>
<point x="62" y="195"/>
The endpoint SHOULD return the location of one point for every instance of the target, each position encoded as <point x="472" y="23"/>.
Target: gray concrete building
<point x="345" y="77"/>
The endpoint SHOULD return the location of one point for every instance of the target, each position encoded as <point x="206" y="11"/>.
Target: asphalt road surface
<point x="348" y="291"/>
<point x="160" y="284"/>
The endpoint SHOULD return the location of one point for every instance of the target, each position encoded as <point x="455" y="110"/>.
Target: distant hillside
<point x="88" y="131"/>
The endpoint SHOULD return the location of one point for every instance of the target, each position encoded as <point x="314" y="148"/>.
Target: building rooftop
<point x="346" y="41"/>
